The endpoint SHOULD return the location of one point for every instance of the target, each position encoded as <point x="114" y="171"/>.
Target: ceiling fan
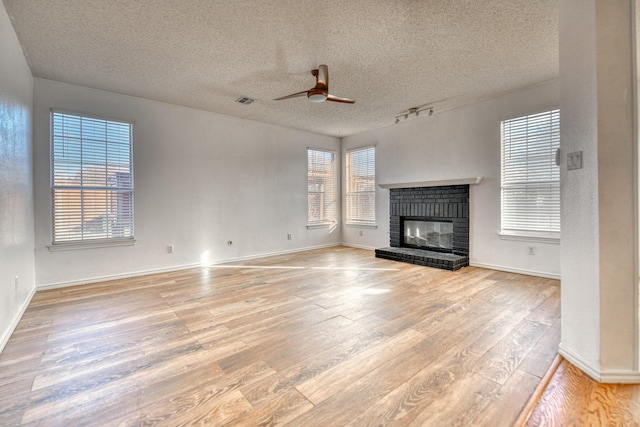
<point x="320" y="92"/>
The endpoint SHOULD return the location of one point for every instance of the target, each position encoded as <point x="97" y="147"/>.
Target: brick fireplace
<point x="429" y="226"/>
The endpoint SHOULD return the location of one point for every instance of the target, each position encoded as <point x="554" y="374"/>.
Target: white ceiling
<point x="388" y="55"/>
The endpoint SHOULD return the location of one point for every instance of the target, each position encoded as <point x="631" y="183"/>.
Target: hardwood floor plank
<point x="269" y="328"/>
<point x="91" y="331"/>
<point x="227" y="408"/>
<point x="15" y="399"/>
<point x="18" y="368"/>
<point x="573" y="398"/>
<point x="422" y="390"/>
<point x="471" y="394"/>
<point x="201" y="402"/>
<point x="324" y="385"/>
<point x="337" y="409"/>
<point x="549" y="311"/>
<point x="495" y="330"/>
<point x="502" y="360"/>
<point x="413" y="317"/>
<point x="79" y="391"/>
<point x="538" y="361"/>
<point x="505" y="405"/>
<point x="310" y="368"/>
<point x="287" y="340"/>
<point x="280" y="410"/>
<point x="471" y="333"/>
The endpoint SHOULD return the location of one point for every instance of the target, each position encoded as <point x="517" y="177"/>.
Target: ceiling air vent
<point x="245" y="100"/>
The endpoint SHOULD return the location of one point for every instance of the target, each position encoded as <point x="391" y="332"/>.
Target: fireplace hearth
<point x="429" y="226"/>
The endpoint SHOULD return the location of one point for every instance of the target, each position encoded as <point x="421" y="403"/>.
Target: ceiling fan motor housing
<point x="317" y="95"/>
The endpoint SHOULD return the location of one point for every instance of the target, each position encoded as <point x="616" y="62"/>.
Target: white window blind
<point x="91" y="179"/>
<point x="321" y="181"/>
<point x="361" y="183"/>
<point x="530" y="177"/>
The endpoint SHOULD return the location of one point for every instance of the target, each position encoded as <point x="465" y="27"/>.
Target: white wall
<point x="579" y="189"/>
<point x="599" y="252"/>
<point x="459" y="143"/>
<point x="16" y="184"/>
<point x="201" y="179"/>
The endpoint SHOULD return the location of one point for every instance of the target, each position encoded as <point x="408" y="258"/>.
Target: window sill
<point x="321" y="225"/>
<point x="90" y="245"/>
<point x="553" y="238"/>
<point x="360" y="225"/>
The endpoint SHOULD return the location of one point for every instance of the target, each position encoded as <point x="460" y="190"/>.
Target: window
<point x="91" y="179"/>
<point x="321" y="180"/>
<point x="361" y="186"/>
<point x="530" y="177"/>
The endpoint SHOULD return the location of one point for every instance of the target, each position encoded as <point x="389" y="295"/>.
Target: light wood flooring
<point x="330" y="337"/>
<point x="572" y="398"/>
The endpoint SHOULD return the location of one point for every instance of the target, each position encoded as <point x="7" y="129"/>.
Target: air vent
<point x="245" y="100"/>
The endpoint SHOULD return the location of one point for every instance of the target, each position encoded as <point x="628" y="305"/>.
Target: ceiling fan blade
<point x="293" y="95"/>
<point x="322" y="77"/>
<point x="338" y="99"/>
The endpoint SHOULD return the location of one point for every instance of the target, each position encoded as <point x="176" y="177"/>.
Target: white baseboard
<point x="515" y="270"/>
<point x="579" y="362"/>
<point x="98" y="279"/>
<point x="482" y="265"/>
<point x="489" y="266"/>
<point x="620" y="377"/>
<point x="609" y="376"/>
<point x="353" y="245"/>
<point x="16" y="319"/>
<point x="267" y="254"/>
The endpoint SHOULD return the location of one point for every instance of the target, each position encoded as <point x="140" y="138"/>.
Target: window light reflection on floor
<point x="285" y="267"/>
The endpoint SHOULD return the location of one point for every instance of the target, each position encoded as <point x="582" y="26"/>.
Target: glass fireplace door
<point x="428" y="234"/>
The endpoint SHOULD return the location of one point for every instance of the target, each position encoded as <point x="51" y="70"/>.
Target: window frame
<point x="358" y="221"/>
<point x="326" y="220"/>
<point x="127" y="187"/>
<point x="539" y="169"/>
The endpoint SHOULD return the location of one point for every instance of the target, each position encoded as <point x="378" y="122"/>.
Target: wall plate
<point x="574" y="160"/>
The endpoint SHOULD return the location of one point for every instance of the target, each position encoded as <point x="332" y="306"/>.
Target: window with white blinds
<point x="530" y="177"/>
<point x="321" y="185"/>
<point x="361" y="186"/>
<point x="91" y="179"/>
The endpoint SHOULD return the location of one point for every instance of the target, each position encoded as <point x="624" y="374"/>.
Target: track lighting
<point x="413" y="111"/>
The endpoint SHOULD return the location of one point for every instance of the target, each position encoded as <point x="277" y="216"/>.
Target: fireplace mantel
<point x="436" y="183"/>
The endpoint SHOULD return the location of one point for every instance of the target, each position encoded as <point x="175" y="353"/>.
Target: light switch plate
<point x="574" y="160"/>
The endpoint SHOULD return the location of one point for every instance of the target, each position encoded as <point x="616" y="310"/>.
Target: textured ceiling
<point x="389" y="55"/>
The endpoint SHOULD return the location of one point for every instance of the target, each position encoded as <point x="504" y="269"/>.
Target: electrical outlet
<point x="289" y="236"/>
<point x="532" y="250"/>
<point x="170" y="249"/>
<point x="360" y="233"/>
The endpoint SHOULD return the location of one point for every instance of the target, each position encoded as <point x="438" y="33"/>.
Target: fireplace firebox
<point x="435" y="235"/>
<point x="429" y="226"/>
